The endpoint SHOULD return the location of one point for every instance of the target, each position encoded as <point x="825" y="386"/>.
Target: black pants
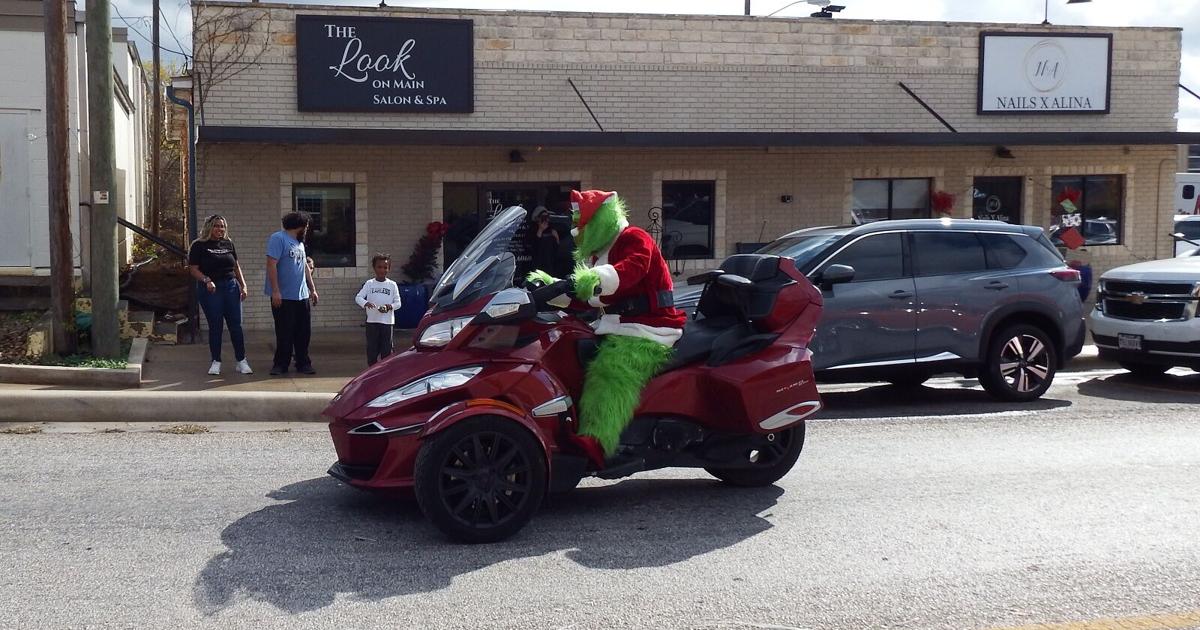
<point x="379" y="342"/>
<point x="293" y="329"/>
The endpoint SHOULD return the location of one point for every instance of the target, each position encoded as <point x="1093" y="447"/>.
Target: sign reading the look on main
<point x="378" y="64"/>
<point x="1036" y="73"/>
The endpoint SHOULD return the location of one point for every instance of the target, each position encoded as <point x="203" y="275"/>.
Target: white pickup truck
<point x="1147" y="316"/>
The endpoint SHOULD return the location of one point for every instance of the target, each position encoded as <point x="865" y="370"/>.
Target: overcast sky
<point x="1180" y="13"/>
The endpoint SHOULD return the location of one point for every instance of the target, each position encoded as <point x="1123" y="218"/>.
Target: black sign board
<point x="379" y="64"/>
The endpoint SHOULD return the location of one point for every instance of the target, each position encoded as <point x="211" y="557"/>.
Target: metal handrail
<point x="158" y="240"/>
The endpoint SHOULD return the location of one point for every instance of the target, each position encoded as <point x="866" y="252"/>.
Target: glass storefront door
<point x="468" y="206"/>
<point x="997" y="199"/>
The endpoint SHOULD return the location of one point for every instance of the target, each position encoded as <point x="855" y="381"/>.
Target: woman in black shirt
<point x="213" y="262"/>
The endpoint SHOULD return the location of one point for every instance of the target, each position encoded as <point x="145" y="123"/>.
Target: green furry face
<point x="601" y="231"/>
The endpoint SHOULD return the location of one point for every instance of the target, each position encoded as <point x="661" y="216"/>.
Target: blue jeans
<point x="224" y="304"/>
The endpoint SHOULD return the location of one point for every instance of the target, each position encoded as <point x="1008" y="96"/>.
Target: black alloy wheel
<point x="769" y="461"/>
<point x="481" y="480"/>
<point x="1020" y="364"/>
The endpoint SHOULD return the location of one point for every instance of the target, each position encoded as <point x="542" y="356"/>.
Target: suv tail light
<point x="1067" y="275"/>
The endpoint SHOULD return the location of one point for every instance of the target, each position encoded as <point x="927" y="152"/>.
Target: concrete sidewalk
<point x="176" y="389"/>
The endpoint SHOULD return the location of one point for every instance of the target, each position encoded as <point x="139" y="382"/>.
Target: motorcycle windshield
<point x="486" y="265"/>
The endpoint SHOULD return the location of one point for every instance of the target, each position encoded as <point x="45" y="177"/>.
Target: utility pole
<point x="156" y="136"/>
<point x="106" y="333"/>
<point x="58" y="174"/>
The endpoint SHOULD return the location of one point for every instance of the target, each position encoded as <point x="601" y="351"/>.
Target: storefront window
<point x="689" y="212"/>
<point x="468" y="206"/>
<point x="997" y="199"/>
<point x="330" y="208"/>
<point x="1193" y="158"/>
<point x="1093" y="205"/>
<point x="879" y="199"/>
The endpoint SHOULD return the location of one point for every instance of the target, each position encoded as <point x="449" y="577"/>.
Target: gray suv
<point x="905" y="300"/>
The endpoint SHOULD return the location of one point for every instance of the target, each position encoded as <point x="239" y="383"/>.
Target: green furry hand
<point x="587" y="281"/>
<point x="540" y="277"/>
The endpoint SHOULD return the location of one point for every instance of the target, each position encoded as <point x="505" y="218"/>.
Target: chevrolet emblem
<point x="1136" y="298"/>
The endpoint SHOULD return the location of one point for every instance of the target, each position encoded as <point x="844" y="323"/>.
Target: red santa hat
<point x="588" y="202"/>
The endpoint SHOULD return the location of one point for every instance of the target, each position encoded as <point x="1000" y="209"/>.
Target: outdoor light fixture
<point x="515" y="156"/>
<point x="1046" y="21"/>
<point x="827" y="10"/>
<point x="1004" y="153"/>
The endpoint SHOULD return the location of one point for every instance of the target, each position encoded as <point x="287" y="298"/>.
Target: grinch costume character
<point x="621" y="270"/>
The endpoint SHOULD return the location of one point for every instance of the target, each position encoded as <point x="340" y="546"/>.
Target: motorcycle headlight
<point x="441" y="333"/>
<point x="429" y="384"/>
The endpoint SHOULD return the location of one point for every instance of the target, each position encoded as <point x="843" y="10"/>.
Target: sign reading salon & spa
<point x="379" y="64"/>
<point x="1039" y="73"/>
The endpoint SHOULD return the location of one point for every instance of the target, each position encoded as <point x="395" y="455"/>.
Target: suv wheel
<point x="1020" y="363"/>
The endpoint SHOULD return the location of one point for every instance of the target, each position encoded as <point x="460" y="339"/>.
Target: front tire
<point x="769" y="463"/>
<point x="1144" y="370"/>
<point x="1020" y="364"/>
<point x="481" y="480"/>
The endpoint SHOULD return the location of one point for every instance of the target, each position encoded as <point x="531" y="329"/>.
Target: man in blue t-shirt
<point x="290" y="285"/>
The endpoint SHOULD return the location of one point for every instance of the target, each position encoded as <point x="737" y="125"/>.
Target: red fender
<point x="467" y="409"/>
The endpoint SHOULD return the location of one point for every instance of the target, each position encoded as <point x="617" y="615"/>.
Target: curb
<point x="127" y="377"/>
<point x="174" y="407"/>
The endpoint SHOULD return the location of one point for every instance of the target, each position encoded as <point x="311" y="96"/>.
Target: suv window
<point x="876" y="257"/>
<point x="945" y="253"/>
<point x="1003" y="251"/>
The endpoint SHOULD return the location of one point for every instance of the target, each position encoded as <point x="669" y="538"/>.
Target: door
<point x="955" y="291"/>
<point x="15" y="239"/>
<point x="997" y="199"/>
<point x="869" y="321"/>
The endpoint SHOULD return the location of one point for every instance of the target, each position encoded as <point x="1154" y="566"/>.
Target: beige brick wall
<point x="244" y="183"/>
<point x="691" y="73"/>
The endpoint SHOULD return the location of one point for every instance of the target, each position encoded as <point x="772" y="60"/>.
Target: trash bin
<point x="1085" y="278"/>
<point x="414" y="299"/>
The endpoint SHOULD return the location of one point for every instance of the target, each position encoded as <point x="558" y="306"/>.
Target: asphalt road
<point x="937" y="509"/>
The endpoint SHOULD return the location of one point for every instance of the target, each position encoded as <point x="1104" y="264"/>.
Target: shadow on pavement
<point x="893" y="401"/>
<point x="324" y="539"/>
<point x="1127" y="387"/>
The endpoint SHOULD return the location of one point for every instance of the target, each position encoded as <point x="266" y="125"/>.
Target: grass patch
<point x="25" y="429"/>
<point x="185" y="429"/>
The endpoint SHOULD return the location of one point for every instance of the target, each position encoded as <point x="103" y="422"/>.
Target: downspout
<point x="193" y="234"/>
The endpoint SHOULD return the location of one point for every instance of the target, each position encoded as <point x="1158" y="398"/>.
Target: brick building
<point x="737" y="129"/>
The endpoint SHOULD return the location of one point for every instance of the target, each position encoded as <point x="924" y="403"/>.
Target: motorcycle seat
<point x="699" y="338"/>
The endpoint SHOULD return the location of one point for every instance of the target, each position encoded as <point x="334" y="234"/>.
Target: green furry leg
<point x="613" y="386"/>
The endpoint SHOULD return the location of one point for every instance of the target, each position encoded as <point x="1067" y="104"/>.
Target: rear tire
<point x="783" y="453"/>
<point x="481" y="480"/>
<point x="1020" y="364"/>
<point x="1144" y="370"/>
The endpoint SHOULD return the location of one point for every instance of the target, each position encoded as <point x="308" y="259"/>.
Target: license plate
<point x="1129" y="342"/>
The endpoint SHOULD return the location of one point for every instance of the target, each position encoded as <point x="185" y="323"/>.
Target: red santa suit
<point x="633" y="271"/>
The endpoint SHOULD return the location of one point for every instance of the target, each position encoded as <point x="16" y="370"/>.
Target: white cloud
<point x="1178" y="13"/>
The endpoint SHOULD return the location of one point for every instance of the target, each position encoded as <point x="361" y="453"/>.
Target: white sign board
<point x="1037" y="73"/>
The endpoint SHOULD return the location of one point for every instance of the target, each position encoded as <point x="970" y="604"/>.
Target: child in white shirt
<point x="380" y="298"/>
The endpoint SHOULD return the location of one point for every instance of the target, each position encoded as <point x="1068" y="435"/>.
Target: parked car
<point x="1146" y="316"/>
<point x="905" y="300"/>
<point x="1187" y="235"/>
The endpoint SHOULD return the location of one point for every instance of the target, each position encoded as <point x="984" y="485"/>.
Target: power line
<point x="172" y="32"/>
<point x="143" y="36"/>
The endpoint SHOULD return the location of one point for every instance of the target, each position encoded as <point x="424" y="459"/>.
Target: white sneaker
<point x="215" y="368"/>
<point x="243" y="367"/>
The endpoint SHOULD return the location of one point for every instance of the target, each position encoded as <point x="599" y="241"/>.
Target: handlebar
<point x="543" y="294"/>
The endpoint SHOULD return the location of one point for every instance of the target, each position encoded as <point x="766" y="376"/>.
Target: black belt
<point x="640" y="305"/>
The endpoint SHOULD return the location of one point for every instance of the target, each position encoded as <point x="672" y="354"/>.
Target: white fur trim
<point x="612" y="325"/>
<point x="609" y="280"/>
<point x="596" y="302"/>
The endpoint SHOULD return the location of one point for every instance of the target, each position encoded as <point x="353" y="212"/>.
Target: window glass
<point x="330" y="207"/>
<point x="878" y="257"/>
<point x="1098" y="213"/>
<point x="1193" y="159"/>
<point x="944" y="253"/>
<point x="1189" y="192"/>
<point x="1189" y="229"/>
<point x="997" y="199"/>
<point x="879" y="199"/>
<point x="1003" y="251"/>
<point x="689" y="212"/>
<point x="801" y="249"/>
